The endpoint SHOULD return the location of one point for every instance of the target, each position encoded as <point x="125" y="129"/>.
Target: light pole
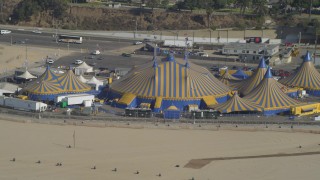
<point x="26" y="60"/>
<point x="136" y="28"/>
<point x="177" y="35"/>
<point x="227" y="36"/>
<point x="210" y="35"/>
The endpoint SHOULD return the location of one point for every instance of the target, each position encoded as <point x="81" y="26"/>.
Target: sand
<point x="12" y="57"/>
<point x="151" y="151"/>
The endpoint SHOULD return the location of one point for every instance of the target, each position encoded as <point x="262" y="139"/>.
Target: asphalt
<point x="105" y="60"/>
<point x="48" y="40"/>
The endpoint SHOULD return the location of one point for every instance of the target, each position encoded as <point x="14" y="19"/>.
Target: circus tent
<point x="246" y="86"/>
<point x="227" y="78"/>
<point x="306" y="77"/>
<point x="269" y="96"/>
<point x="171" y="81"/>
<point x="71" y="84"/>
<point x="237" y="104"/>
<point x="43" y="90"/>
<point x="50" y="85"/>
<point x="240" y="74"/>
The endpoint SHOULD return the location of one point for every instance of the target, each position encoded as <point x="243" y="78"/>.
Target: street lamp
<point x="136" y="27"/>
<point x="210" y="35"/>
<point x="26" y="60"/>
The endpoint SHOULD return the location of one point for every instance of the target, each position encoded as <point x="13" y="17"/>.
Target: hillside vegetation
<point x="62" y="14"/>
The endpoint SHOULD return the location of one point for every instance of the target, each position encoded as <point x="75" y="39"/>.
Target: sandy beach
<point x="151" y="151"/>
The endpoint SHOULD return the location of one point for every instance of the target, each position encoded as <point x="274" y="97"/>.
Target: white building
<point x="250" y="51"/>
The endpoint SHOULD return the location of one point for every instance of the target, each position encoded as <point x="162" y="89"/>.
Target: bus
<point x="70" y="39"/>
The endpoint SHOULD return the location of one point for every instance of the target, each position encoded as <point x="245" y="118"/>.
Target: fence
<point x="236" y="120"/>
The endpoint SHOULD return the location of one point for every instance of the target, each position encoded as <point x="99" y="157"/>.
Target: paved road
<point x="104" y="60"/>
<point x="47" y="40"/>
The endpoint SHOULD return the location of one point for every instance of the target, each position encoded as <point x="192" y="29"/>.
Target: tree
<point x="244" y="4"/>
<point x="190" y="4"/>
<point x="260" y="7"/>
<point x="165" y="3"/>
<point x="209" y="12"/>
<point x="219" y="4"/>
<point x="180" y="5"/>
<point x="153" y="3"/>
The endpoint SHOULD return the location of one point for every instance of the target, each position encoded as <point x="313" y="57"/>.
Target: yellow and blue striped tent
<point x="72" y="84"/>
<point x="269" y="96"/>
<point x="237" y="104"/>
<point x="246" y="86"/>
<point x="173" y="79"/>
<point x="49" y="76"/>
<point x="44" y="88"/>
<point x="227" y="78"/>
<point x="306" y="77"/>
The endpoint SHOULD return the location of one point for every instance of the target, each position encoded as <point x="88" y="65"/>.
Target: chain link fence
<point x="158" y="118"/>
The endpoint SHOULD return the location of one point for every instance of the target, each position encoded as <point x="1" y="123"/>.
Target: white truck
<point x="2" y="32"/>
<point x="177" y="43"/>
<point x="24" y="105"/>
<point x="75" y="99"/>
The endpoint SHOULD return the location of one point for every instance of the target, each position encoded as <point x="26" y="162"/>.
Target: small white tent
<point x="94" y="82"/>
<point x="26" y="76"/>
<point x="83" y="68"/>
<point x="82" y="79"/>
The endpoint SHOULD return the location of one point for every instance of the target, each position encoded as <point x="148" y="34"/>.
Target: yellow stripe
<point x="162" y="81"/>
<point x="156" y="81"/>
<point x="177" y="80"/>
<point x="167" y="79"/>
<point x="183" y="79"/>
<point x="172" y="78"/>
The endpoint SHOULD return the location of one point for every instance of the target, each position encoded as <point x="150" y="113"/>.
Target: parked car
<point x="214" y="68"/>
<point x="37" y="31"/>
<point x="137" y="42"/>
<point x="126" y="55"/>
<point x="224" y="68"/>
<point x="202" y="54"/>
<point x="50" y="61"/>
<point x="96" y="52"/>
<point x="93" y="64"/>
<point x="78" y="62"/>
<point x="146" y="40"/>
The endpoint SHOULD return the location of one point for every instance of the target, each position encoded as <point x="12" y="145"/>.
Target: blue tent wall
<point x="314" y="92"/>
<point x="293" y="94"/>
<point x="222" y="99"/>
<point x="275" y="112"/>
<point x="171" y="114"/>
<point x="179" y="103"/>
<point x="37" y="97"/>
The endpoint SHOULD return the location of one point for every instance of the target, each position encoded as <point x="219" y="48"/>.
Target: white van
<point x="96" y="52"/>
<point x="5" y="32"/>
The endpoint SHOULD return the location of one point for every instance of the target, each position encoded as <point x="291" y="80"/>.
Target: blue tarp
<point x="240" y="74"/>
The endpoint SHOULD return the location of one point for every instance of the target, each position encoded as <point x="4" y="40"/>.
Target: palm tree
<point x="243" y="5"/>
<point x="259" y="7"/>
<point x="209" y="12"/>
